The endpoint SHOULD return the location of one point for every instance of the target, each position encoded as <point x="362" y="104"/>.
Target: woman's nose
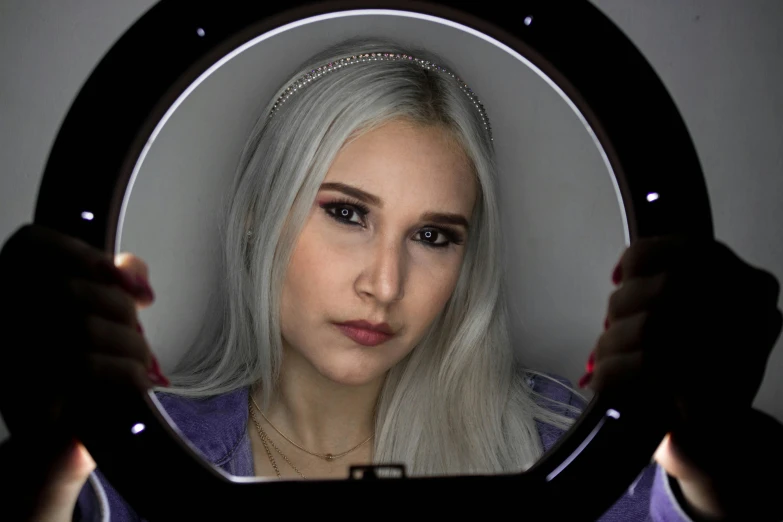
<point x="384" y="276"/>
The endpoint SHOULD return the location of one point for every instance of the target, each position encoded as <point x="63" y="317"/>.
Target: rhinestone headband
<point x="374" y="57"/>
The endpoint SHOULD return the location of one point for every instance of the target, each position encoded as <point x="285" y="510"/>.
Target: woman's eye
<point x="345" y="214"/>
<point x="434" y="238"/>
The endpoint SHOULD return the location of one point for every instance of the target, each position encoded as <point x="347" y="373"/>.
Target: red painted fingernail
<point x="590" y="363"/>
<point x="156" y="375"/>
<point x="617" y="274"/>
<point x="585" y="380"/>
<point x="158" y="379"/>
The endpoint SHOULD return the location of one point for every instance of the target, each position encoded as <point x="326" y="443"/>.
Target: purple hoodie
<point x="217" y="427"/>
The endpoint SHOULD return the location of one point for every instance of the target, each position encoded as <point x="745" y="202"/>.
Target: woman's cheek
<point x="338" y="240"/>
<point x="436" y="281"/>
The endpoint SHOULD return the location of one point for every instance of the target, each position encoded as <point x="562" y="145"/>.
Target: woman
<point x="374" y="330"/>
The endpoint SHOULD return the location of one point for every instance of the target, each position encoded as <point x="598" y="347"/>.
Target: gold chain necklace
<point x="326" y="456"/>
<point x="264" y="440"/>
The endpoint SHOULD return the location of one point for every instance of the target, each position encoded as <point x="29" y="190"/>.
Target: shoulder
<point x="553" y="392"/>
<point x="216" y="425"/>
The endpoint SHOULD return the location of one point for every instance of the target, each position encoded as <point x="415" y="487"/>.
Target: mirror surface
<point x="562" y="227"/>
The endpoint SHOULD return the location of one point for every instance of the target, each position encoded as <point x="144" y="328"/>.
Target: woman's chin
<point x="347" y="375"/>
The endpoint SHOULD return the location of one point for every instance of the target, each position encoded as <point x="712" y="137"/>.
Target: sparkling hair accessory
<point x="375" y="57"/>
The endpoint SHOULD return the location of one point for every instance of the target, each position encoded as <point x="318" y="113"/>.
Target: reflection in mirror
<point x="383" y="277"/>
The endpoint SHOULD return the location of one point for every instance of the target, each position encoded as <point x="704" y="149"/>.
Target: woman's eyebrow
<point x="353" y="191"/>
<point x="446" y="219"/>
<point x="436" y="217"/>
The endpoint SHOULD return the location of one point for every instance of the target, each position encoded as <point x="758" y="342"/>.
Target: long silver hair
<point x="460" y="402"/>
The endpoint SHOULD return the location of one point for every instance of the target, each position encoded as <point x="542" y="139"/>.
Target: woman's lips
<point x="363" y="336"/>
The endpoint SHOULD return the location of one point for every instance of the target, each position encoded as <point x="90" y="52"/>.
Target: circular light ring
<point x="589" y="59"/>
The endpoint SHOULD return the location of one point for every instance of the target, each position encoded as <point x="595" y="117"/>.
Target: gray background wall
<point x="719" y="59"/>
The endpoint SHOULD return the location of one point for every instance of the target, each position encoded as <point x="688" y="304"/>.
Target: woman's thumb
<point x="76" y="464"/>
<point x="138" y="270"/>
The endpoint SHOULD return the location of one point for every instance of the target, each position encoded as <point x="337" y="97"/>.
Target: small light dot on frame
<point x="652" y="196"/>
<point x="88" y="216"/>
<point x="200" y="32"/>
<point x="137" y="428"/>
<point x="528" y="20"/>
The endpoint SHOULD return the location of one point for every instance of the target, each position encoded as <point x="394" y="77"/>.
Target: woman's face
<point x="384" y="243"/>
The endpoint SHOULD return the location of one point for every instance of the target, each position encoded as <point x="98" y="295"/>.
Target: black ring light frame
<point x="582" y="52"/>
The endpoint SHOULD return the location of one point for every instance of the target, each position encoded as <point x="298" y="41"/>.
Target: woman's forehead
<point x="400" y="159"/>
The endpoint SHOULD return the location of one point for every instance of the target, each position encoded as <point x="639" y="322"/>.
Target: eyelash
<point x="362" y="209"/>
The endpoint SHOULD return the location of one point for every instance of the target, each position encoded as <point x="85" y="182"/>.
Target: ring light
<point x="580" y="53"/>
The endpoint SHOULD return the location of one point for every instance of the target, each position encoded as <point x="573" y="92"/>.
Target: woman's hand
<point x="70" y="331"/>
<point x="693" y="319"/>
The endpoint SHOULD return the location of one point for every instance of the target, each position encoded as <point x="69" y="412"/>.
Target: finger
<point x="675" y="462"/>
<point x="623" y="337"/>
<point x="132" y="264"/>
<point x="109" y="302"/>
<point x="34" y="248"/>
<point x="636" y="295"/>
<point x="51" y="247"/>
<point x="111" y="371"/>
<point x="72" y="466"/>
<point x="704" y="257"/>
<point x="137" y="270"/>
<point x="649" y="256"/>
<point x="109" y="338"/>
<point x="618" y="371"/>
<point x="669" y="344"/>
<point x="92" y="335"/>
<point x="99" y="378"/>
